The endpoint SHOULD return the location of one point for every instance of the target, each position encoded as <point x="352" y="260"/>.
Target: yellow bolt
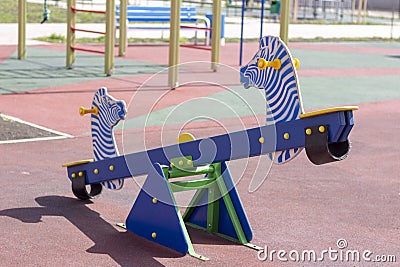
<point x="261" y="140"/>
<point x="189" y="162"/>
<point x="321" y="129"/>
<point x="308" y="131"/>
<point x="80" y="174"/>
<point x="154" y="235"/>
<point x="262" y="64"/>
<point x="111" y="168"/>
<point x="73" y="175"/>
<point x="286" y="136"/>
<point x="154" y="200"/>
<point x="96" y="171"/>
<point x="172" y="165"/>
<point x="181" y="163"/>
<point x="296" y="62"/>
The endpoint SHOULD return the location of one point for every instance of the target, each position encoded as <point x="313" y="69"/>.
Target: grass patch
<point x="60" y="39"/>
<point x="54" y="38"/>
<point x="345" y="39"/>
<point x="321" y="39"/>
<point x="9" y="14"/>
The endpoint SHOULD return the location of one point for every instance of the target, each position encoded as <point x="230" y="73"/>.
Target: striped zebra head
<point x="280" y="84"/>
<point x="110" y="110"/>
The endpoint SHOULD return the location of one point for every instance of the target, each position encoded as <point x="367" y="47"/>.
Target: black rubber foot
<point x="79" y="188"/>
<point x="319" y="151"/>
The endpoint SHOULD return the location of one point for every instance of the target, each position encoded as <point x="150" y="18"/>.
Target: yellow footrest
<point x="327" y="111"/>
<point x="79" y="162"/>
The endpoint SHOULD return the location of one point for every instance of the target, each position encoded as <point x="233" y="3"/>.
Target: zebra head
<point x="273" y="69"/>
<point x="110" y="110"/>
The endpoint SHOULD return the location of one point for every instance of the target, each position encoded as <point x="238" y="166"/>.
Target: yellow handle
<point x="263" y="64"/>
<point x="296" y="63"/>
<point x="83" y="111"/>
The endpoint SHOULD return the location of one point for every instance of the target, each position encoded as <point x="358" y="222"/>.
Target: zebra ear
<point x="102" y="91"/>
<point x="264" y="41"/>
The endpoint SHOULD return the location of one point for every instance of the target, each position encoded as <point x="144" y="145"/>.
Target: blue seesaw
<point x="216" y="206"/>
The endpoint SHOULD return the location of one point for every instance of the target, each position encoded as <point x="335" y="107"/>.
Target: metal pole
<point x="392" y="22"/>
<point x="109" y="40"/>
<point x="295" y="6"/>
<point x="284" y="28"/>
<point x="175" y="24"/>
<point x="216" y="34"/>
<point x="359" y="10"/>
<point x="241" y="34"/>
<point x="365" y="11"/>
<point x="122" y="28"/>
<point x="22" y="29"/>
<point x="262" y="18"/>
<point x="71" y="19"/>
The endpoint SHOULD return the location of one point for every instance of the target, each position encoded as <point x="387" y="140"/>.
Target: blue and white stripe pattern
<point x="110" y="112"/>
<point x="281" y="87"/>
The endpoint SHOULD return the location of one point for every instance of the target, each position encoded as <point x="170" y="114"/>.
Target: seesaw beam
<point x="226" y="147"/>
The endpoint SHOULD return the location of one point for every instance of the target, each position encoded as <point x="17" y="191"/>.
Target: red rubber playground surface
<point x="299" y="207"/>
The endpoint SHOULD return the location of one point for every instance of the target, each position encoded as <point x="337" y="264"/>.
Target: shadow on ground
<point x="129" y="248"/>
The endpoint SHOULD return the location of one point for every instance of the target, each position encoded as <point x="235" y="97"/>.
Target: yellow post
<point x="173" y="61"/>
<point x="360" y="2"/>
<point x="71" y="19"/>
<point x="295" y="5"/>
<point x="284" y="28"/>
<point x="22" y="29"/>
<point x="109" y="40"/>
<point x="122" y="28"/>
<point x="216" y="34"/>
<point x="365" y="11"/>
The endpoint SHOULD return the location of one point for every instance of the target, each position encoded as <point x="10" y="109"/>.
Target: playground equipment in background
<point x="109" y="34"/>
<point x="46" y="12"/>
<point x="216" y="206"/>
<point x="162" y="15"/>
<point x="175" y="19"/>
<point x="276" y="6"/>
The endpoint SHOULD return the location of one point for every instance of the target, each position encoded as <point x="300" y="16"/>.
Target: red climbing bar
<point x="197" y="47"/>
<point x="82" y="30"/>
<point x="73" y="48"/>
<point x="74" y="9"/>
<point x="196" y="28"/>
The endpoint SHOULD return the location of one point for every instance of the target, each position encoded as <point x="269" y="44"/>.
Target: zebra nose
<point x="244" y="80"/>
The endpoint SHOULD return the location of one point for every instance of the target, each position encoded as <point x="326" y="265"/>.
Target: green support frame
<point x="213" y="184"/>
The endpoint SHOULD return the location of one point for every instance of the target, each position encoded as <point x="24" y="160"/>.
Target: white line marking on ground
<point x="60" y="134"/>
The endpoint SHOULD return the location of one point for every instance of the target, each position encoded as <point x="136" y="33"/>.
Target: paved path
<point x="9" y="34"/>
